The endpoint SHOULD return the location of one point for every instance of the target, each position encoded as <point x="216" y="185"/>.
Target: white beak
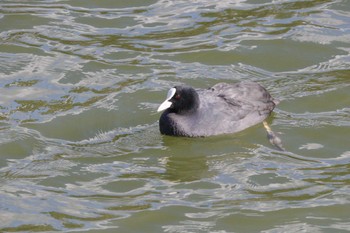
<point x="167" y="104"/>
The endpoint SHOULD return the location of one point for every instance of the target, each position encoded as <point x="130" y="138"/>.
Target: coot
<point x="221" y="109"/>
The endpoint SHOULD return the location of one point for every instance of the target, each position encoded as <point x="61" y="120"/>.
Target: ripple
<point x="80" y="148"/>
<point x="311" y="146"/>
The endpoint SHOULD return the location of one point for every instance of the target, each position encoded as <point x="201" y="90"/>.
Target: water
<point x="80" y="150"/>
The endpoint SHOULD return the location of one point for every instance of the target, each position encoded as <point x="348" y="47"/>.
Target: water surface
<point x="80" y="150"/>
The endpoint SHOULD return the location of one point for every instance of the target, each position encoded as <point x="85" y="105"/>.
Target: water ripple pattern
<point x="80" y="82"/>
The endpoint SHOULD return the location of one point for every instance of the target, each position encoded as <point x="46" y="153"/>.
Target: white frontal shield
<point x="167" y="104"/>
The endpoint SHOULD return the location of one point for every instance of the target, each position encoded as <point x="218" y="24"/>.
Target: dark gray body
<point x="223" y="109"/>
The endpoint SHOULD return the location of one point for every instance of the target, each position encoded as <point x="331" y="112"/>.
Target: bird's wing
<point x="246" y="96"/>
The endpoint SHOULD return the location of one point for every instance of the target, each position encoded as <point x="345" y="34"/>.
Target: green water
<point x="80" y="150"/>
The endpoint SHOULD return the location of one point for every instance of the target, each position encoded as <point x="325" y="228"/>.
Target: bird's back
<point x="229" y="108"/>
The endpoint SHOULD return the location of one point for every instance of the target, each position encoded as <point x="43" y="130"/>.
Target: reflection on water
<point x="80" y="150"/>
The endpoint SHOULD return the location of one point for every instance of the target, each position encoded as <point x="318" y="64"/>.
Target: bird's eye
<point x="177" y="96"/>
